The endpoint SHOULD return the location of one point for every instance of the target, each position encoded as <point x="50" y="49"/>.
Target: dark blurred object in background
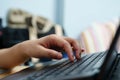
<point x="0" y="23"/>
<point x="1" y="26"/>
<point x="13" y="36"/>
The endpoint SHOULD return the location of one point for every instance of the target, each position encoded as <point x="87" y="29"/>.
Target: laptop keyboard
<point x="116" y="72"/>
<point x="69" y="68"/>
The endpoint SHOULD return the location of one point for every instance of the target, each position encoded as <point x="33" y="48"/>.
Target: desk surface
<point x="14" y="70"/>
<point x="19" y="68"/>
<point x="38" y="65"/>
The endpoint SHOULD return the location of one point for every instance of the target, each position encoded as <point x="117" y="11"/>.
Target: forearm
<point x="11" y="57"/>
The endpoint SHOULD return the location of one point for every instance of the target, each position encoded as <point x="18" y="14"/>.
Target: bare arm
<point x="49" y="47"/>
<point x="11" y="57"/>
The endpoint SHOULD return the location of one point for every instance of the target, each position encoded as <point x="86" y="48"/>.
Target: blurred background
<point x="74" y="15"/>
<point x="91" y="22"/>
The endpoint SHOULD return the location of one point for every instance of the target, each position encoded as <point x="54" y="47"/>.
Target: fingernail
<point x="59" y="55"/>
<point x="82" y="50"/>
<point x="72" y="57"/>
<point x="78" y="55"/>
<point x="78" y="58"/>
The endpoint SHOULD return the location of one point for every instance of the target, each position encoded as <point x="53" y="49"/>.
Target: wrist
<point x="21" y="50"/>
<point x="19" y="53"/>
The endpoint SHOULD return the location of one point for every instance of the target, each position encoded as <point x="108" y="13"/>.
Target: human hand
<point x="51" y="47"/>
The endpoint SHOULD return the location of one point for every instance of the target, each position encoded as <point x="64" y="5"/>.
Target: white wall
<point x="38" y="7"/>
<point x="79" y="14"/>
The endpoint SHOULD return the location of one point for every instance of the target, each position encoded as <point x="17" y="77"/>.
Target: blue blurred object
<point x="48" y="59"/>
<point x="64" y="55"/>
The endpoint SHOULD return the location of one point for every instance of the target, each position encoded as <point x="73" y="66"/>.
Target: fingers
<point x="75" y="46"/>
<point x="49" y="53"/>
<point x="67" y="44"/>
<point x="62" y="43"/>
<point x="68" y="49"/>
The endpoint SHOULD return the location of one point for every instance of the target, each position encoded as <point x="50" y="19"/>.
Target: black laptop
<point x="99" y="66"/>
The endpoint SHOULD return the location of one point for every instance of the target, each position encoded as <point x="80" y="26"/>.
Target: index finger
<point x="62" y="43"/>
<point x="75" y="46"/>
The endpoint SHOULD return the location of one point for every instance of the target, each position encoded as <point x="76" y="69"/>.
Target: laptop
<point x="99" y="66"/>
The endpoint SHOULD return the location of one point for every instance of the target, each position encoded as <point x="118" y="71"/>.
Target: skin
<point x="48" y="47"/>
